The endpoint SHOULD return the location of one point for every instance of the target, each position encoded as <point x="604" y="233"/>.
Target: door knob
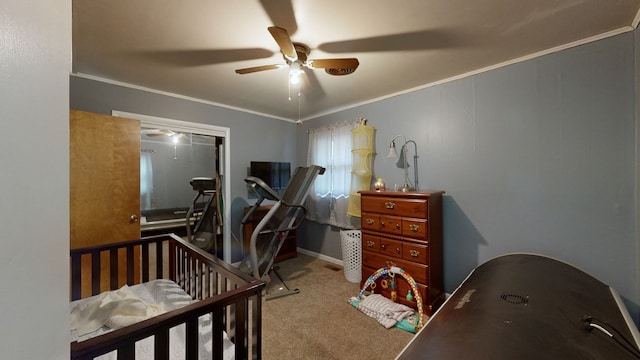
<point x="133" y="218"/>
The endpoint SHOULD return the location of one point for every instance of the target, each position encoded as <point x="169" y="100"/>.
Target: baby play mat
<point x="386" y="311"/>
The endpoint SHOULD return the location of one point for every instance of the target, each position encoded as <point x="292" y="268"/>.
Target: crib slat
<point x="145" y="262"/>
<point x="159" y="260"/>
<point x="127" y="352"/>
<point x="207" y="281"/>
<point x="172" y="260"/>
<point x="216" y="283"/>
<point x="113" y="268"/>
<point x="191" y="341"/>
<point x="130" y="265"/>
<point x="201" y="270"/>
<point x="95" y="273"/>
<point x="161" y="345"/>
<point x="76" y="277"/>
<point x="241" y="328"/>
<point x="183" y="270"/>
<point x="192" y="278"/>
<point x="255" y="303"/>
<point x="217" y="327"/>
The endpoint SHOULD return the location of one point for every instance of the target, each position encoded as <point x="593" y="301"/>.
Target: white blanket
<point x="113" y="309"/>
<point x="105" y="312"/>
<point x="387" y="312"/>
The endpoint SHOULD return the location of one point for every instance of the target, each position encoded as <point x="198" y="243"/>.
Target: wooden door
<point x="104" y="183"/>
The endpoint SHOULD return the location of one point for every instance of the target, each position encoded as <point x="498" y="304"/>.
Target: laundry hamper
<point x="352" y="254"/>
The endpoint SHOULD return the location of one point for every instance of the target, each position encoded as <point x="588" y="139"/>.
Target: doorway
<point x="205" y="137"/>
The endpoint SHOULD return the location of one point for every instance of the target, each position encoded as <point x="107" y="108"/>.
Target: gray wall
<point x="252" y="137"/>
<point x="537" y="157"/>
<point x="35" y="62"/>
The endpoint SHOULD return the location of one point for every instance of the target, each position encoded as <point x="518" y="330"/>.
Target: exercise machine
<point x="204" y="232"/>
<point x="286" y="214"/>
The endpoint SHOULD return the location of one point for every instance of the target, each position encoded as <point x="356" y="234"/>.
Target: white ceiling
<point x="192" y="47"/>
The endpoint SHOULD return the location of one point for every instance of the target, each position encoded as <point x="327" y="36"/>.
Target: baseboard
<point x="321" y="256"/>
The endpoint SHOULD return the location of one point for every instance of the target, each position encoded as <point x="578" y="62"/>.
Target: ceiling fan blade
<point x="259" y="68"/>
<point x="347" y="63"/>
<point x="281" y="36"/>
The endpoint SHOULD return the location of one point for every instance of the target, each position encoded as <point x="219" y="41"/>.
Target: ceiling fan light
<point x="294" y="73"/>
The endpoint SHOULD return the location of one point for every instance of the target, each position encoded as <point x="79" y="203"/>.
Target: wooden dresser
<point x="405" y="230"/>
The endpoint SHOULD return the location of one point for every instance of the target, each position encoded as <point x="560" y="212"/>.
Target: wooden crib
<point x="231" y="298"/>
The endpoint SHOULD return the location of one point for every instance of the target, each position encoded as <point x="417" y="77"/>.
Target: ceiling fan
<point x="296" y="58"/>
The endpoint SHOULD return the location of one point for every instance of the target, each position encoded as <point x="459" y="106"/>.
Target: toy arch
<point x="391" y="271"/>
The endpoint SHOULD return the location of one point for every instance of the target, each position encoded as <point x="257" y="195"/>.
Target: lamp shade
<point x="392" y="151"/>
<point x="402" y="161"/>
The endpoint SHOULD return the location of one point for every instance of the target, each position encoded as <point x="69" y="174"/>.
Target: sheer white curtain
<point x="146" y="180"/>
<point x="328" y="199"/>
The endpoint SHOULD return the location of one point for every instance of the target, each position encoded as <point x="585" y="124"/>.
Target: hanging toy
<point x="384" y="283"/>
<point x="373" y="286"/>
<point x="409" y="296"/>
<point x="394" y="293"/>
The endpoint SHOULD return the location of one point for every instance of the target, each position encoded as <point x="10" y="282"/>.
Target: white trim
<point x="636" y="20"/>
<point x="321" y="256"/>
<point x="201" y="129"/>
<point x="174" y="95"/>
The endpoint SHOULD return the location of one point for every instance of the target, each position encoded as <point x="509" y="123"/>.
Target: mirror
<point x="199" y="151"/>
<point x="168" y="162"/>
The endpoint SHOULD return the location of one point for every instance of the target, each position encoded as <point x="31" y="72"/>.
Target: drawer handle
<point x="397" y="226"/>
<point x="370" y="221"/>
<point x="370" y="243"/>
<point x="414" y="253"/>
<point x="414" y="227"/>
<point x="398" y="251"/>
<point x="390" y="205"/>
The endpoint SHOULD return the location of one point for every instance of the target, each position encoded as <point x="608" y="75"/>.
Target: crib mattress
<point x="171" y="296"/>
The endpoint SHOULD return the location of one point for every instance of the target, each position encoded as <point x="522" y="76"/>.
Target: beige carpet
<point x="318" y="323"/>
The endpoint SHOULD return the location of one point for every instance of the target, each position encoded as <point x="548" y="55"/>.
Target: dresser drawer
<point x="391" y="247"/>
<point x="371" y="243"/>
<point x="395" y="206"/>
<point x="415" y="228"/>
<point x="415" y="252"/>
<point x="375" y="260"/>
<point x="370" y="221"/>
<point x="391" y="224"/>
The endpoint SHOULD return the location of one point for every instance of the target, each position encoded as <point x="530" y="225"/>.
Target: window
<point x="330" y="147"/>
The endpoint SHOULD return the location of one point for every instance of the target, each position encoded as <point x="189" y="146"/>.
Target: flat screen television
<point x="275" y="174"/>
